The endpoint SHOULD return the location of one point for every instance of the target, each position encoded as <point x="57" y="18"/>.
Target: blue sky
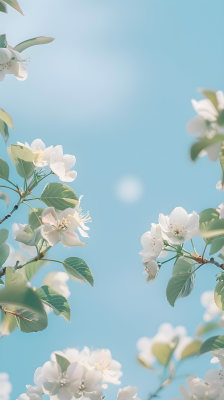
<point x="115" y="88"/>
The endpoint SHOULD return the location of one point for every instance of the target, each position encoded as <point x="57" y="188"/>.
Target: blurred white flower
<point x="40" y="151"/>
<point x="26" y="236"/>
<point x="15" y="257"/>
<point x="33" y="393"/>
<point x="129" y="189"/>
<point x="219" y="185"/>
<point x="218" y="357"/>
<point x="179" y="226"/>
<point x="109" y="369"/>
<point x="11" y="62"/>
<point x="128" y="393"/>
<point x="59" y="226"/>
<point x="152" y="243"/>
<point x="5" y="387"/>
<point x="207" y="301"/>
<point x="61" y="164"/>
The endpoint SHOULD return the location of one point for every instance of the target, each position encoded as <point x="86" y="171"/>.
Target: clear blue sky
<point x="115" y="88"/>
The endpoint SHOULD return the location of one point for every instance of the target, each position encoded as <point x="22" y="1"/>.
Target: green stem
<point x="8" y="187"/>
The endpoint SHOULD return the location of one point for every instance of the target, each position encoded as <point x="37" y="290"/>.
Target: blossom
<point x="59" y="226"/>
<point x="152" y="243"/>
<point x="15" y="257"/>
<point x="128" y="393"/>
<point x="26" y="236"/>
<point x="212" y="388"/>
<point x="57" y="281"/>
<point x="5" y="387"/>
<point x="218" y="357"/>
<point x="211" y="309"/>
<point x="33" y="393"/>
<point x="76" y="381"/>
<point x="109" y="369"/>
<point x="166" y="334"/>
<point x="40" y="151"/>
<point x="61" y="164"/>
<point x="179" y="226"/>
<point x="207" y="122"/>
<point x="11" y="62"/>
<point x="151" y="269"/>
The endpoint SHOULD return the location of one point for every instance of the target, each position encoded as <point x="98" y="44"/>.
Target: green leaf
<point x="32" y="268"/>
<point x="4" y="130"/>
<point x="191" y="349"/>
<point x="219" y="294"/>
<point x="23" y="158"/>
<point x="213" y="343"/>
<point x="180" y="285"/>
<point x="204" y="143"/>
<point x="54" y="300"/>
<point x="208" y="215"/>
<point x="4" y="233"/>
<point x="3" y="41"/>
<point x="208" y="327"/>
<point x="3" y="7"/>
<point x="32" y="42"/>
<point x="163" y="352"/>
<point x="13" y="277"/>
<point x="4" y="169"/>
<point x="78" y="269"/>
<point x="34" y="217"/>
<point x="4" y="253"/>
<point x="4" y="196"/>
<point x="213" y="230"/>
<point x="62" y="362"/>
<point x="221" y="160"/>
<point x="4" y="116"/>
<point x="216" y="245"/>
<point x="211" y="95"/>
<point x="8" y="323"/>
<point x="59" y="196"/>
<point x="183" y="265"/>
<point x="14" y="4"/>
<point x="25" y="304"/>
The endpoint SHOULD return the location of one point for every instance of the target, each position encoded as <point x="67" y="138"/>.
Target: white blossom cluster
<point x="53" y="156"/>
<point x="5" y="387"/>
<point x="86" y="375"/>
<point x="174" y="229"/>
<point x="208" y="122"/>
<point x="211" y="388"/>
<point x="211" y="309"/>
<point x="11" y="62"/>
<point x="166" y="334"/>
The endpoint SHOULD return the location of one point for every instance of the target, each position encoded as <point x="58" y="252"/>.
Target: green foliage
<point x="34" y="217"/>
<point x="26" y="306"/>
<point x="4" y="130"/>
<point x="191" y="349"/>
<point x="219" y="294"/>
<point x="3" y="7"/>
<point x="164" y="351"/>
<point x="32" y="268"/>
<point x="8" y="323"/>
<point x="207" y="327"/>
<point x="14" y="4"/>
<point x="78" y="269"/>
<point x="59" y="196"/>
<point x="4" y="253"/>
<point x="32" y="42"/>
<point x="182" y="282"/>
<point x="22" y="157"/>
<point x="3" y="41"/>
<point x="4" y="116"/>
<point x="4" y="233"/>
<point x="213" y="230"/>
<point x="203" y="143"/>
<point x="183" y="265"/>
<point x="62" y="362"/>
<point x="54" y="300"/>
<point x="213" y="343"/>
<point x="4" y="169"/>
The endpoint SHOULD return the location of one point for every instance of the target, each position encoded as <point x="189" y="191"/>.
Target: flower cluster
<point x="74" y="374"/>
<point x="60" y="164"/>
<point x="211" y="388"/>
<point x="209" y="121"/>
<point x="171" y="230"/>
<point x="11" y="62"/>
<point x="166" y="334"/>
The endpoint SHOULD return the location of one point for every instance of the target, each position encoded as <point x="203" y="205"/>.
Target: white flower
<point x="33" y="393"/>
<point x="165" y="334"/>
<point x="128" y="393"/>
<point x="179" y="226"/>
<point x="152" y="243"/>
<point x="219" y="185"/>
<point x="15" y="257"/>
<point x="11" y="62"/>
<point x="61" y="164"/>
<point x="5" y="387"/>
<point x="59" y="226"/>
<point x="57" y="281"/>
<point x="212" y="388"/>
<point x="109" y="369"/>
<point x="40" y="151"/>
<point x="26" y="236"/>
<point x="207" y="301"/>
<point x="151" y="269"/>
<point x="218" y="357"/>
<point x="77" y="382"/>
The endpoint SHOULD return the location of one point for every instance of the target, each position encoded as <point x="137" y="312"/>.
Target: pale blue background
<point x="115" y="88"/>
